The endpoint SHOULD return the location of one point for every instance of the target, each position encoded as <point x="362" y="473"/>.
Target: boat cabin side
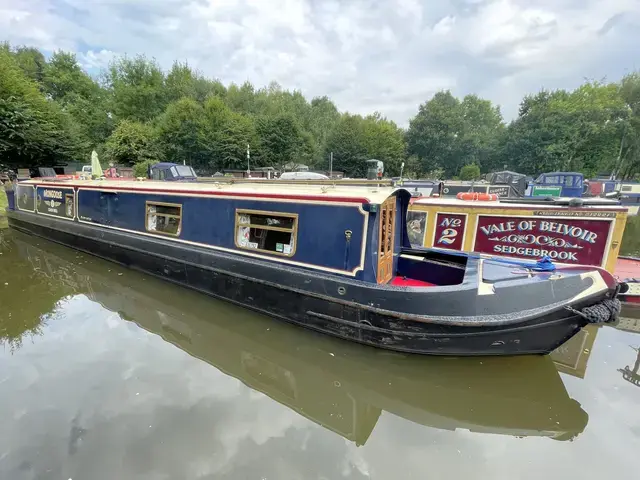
<point x="358" y="237"/>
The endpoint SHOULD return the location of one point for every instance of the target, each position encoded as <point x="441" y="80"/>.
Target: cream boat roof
<point x="454" y="202"/>
<point x="346" y="192"/>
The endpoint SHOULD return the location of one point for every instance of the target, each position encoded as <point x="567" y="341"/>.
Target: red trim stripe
<point x="358" y="200"/>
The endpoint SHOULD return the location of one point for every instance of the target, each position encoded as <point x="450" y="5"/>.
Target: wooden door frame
<point x="386" y="245"/>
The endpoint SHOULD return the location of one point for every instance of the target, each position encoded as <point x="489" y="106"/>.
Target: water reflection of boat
<point x="341" y="386"/>
<point x="572" y="357"/>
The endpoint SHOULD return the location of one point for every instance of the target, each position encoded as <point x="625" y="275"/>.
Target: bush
<point x="470" y="172"/>
<point x="140" y="169"/>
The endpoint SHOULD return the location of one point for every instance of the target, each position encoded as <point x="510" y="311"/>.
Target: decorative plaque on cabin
<point x="449" y="231"/>
<point x="566" y="240"/>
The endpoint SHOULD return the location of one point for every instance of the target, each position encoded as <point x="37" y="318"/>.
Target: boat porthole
<point x="342" y="290"/>
<point x="336" y="383"/>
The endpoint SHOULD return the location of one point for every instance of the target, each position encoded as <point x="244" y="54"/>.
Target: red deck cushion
<point x="410" y="282"/>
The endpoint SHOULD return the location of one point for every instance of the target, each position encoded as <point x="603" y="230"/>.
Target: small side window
<point x="164" y="218"/>
<point x="69" y="206"/>
<point x="271" y="232"/>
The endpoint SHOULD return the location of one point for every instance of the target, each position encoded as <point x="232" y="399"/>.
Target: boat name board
<point x="57" y="194"/>
<point x="581" y="241"/>
<point x="55" y="202"/>
<point x="500" y="190"/>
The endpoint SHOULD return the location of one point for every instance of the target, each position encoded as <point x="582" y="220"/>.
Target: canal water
<point x="106" y="373"/>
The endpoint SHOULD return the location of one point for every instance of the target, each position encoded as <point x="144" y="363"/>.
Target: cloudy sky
<point x="385" y="55"/>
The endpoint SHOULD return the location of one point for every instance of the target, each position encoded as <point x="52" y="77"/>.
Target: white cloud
<point x="366" y="55"/>
<point x="95" y="60"/>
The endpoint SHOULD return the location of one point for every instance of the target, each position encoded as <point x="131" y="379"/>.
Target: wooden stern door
<point x="386" y="235"/>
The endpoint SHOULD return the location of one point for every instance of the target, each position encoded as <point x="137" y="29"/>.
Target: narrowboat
<point x="558" y="184"/>
<point x="629" y="194"/>
<point x="336" y="260"/>
<point x="339" y="386"/>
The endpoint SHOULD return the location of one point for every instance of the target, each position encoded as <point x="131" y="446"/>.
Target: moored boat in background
<point x="334" y="259"/>
<point x="574" y="232"/>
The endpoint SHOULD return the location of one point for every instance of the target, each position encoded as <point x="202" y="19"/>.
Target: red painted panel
<point x="449" y="232"/>
<point x="566" y="240"/>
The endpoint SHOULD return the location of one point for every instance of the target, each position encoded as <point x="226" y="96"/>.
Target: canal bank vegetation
<point x="54" y="112"/>
<point x="3" y="206"/>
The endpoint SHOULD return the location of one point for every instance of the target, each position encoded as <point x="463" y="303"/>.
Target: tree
<point x="179" y="133"/>
<point x="580" y="130"/>
<point x="33" y="130"/>
<point x="137" y="86"/>
<point x="470" y="172"/>
<point x="226" y="136"/>
<point x="31" y="61"/>
<point x="87" y="102"/>
<point x="348" y="144"/>
<point x="483" y="127"/>
<point x="448" y="133"/>
<point x="434" y="132"/>
<point x="132" y="142"/>
<point x="383" y="140"/>
<point x="627" y="163"/>
<point x="281" y="141"/>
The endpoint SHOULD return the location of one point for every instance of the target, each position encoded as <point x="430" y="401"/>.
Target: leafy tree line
<point x="53" y="112"/>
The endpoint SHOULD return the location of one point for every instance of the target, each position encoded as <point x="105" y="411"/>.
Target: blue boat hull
<point x="304" y="297"/>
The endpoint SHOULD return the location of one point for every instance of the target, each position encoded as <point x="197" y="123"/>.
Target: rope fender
<point x="606" y="311"/>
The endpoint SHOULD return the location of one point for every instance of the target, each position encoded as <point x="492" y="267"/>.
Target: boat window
<point x="551" y="180"/>
<point x="626" y="188"/>
<point x="164" y="218"/>
<point x="184" y="171"/>
<point x="272" y="232"/>
<point x="69" y="207"/>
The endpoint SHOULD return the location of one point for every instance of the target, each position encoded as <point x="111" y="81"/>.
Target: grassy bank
<point x="3" y="204"/>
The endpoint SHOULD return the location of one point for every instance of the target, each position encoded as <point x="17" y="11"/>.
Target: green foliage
<point x="31" y="61"/>
<point x="281" y="141"/>
<point x="470" y="172"/>
<point x="448" y="133"/>
<point x="65" y="82"/>
<point x="576" y="131"/>
<point x="33" y="130"/>
<point x="132" y="142"/>
<point x="141" y="169"/>
<point x="137" y="88"/>
<point x="53" y="112"/>
<point x="179" y="131"/>
<point x="226" y="136"/>
<point x="355" y="140"/>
